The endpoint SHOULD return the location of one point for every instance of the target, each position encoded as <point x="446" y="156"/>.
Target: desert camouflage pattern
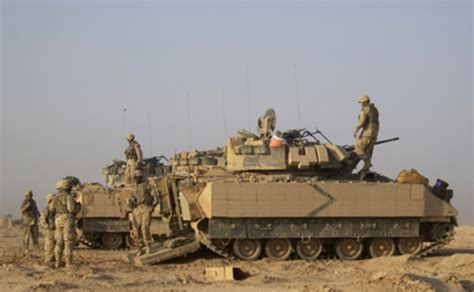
<point x="248" y="200"/>
<point x="65" y="209"/>
<point x="368" y="125"/>
<point x="103" y="221"/>
<point x="133" y="156"/>
<point x="141" y="203"/>
<point x="48" y="228"/>
<point x="30" y="215"/>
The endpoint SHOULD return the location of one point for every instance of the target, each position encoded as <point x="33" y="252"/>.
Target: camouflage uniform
<point x="65" y="209"/>
<point x="30" y="215"/>
<point x="47" y="224"/>
<point x="368" y="123"/>
<point x="141" y="206"/>
<point x="133" y="155"/>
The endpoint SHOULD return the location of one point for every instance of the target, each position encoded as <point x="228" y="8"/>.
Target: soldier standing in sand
<point x="48" y="227"/>
<point x="65" y="209"/>
<point x="133" y="156"/>
<point x="141" y="205"/>
<point x="368" y="125"/>
<point x="30" y="214"/>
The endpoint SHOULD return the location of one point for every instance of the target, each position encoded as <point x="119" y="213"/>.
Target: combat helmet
<point x="75" y="181"/>
<point x="364" y="99"/>
<point x="65" y="184"/>
<point x="130" y="137"/>
<point x="29" y="193"/>
<point x="49" y="197"/>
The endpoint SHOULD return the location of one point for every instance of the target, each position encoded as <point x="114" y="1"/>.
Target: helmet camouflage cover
<point x="74" y="180"/>
<point x="130" y="137"/>
<point x="67" y="183"/>
<point x="364" y="99"/>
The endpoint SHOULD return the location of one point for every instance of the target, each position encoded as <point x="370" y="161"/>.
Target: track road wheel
<point x="130" y="242"/>
<point x="309" y="249"/>
<point x="349" y="248"/>
<point x="112" y="240"/>
<point x="278" y="249"/>
<point x="248" y="249"/>
<point x="409" y="245"/>
<point x="381" y="247"/>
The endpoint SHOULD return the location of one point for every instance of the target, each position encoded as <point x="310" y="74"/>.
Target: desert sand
<point x="448" y="269"/>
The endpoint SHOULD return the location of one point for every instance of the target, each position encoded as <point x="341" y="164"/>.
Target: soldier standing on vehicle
<point x="368" y="125"/>
<point x="65" y="209"/>
<point x="30" y="214"/>
<point x="141" y="206"/>
<point x="47" y="223"/>
<point x="133" y="155"/>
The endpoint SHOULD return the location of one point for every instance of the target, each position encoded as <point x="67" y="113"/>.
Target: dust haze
<point x="70" y="69"/>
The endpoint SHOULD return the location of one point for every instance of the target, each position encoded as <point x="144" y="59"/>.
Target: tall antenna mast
<point x="149" y="132"/>
<point x="297" y="96"/>
<point x="189" y="120"/>
<point x="123" y="122"/>
<point x="223" y="114"/>
<point x="248" y="97"/>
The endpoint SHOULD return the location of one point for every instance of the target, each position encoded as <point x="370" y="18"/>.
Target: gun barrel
<point x="387" y="140"/>
<point x="351" y="148"/>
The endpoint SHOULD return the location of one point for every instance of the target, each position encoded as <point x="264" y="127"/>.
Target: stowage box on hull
<point x="320" y="199"/>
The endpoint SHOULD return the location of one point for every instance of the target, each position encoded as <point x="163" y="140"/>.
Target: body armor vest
<point x="130" y="152"/>
<point x="32" y="209"/>
<point x="371" y="125"/>
<point x="60" y="203"/>
<point x="372" y="115"/>
<point x="142" y="194"/>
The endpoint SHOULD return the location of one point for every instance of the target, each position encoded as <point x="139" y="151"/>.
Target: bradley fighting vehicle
<point x="254" y="198"/>
<point x="102" y="221"/>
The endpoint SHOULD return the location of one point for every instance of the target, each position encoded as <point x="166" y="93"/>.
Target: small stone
<point x="378" y="276"/>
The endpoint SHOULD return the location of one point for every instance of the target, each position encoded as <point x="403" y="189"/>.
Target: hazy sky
<point x="69" y="69"/>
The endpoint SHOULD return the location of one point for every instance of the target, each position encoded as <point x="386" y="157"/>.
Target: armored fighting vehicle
<point x="102" y="221"/>
<point x="300" y="198"/>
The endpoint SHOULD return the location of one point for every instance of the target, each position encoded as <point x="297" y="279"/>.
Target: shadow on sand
<point x="452" y="251"/>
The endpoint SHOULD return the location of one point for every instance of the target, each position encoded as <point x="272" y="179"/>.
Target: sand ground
<point x="449" y="269"/>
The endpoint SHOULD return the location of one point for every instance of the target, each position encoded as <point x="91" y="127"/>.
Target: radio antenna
<point x="248" y="97"/>
<point x="189" y="120"/>
<point x="297" y="96"/>
<point x="123" y="121"/>
<point x="223" y="114"/>
<point x="149" y="132"/>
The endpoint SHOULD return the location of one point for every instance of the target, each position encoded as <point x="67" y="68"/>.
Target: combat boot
<point x="68" y="260"/>
<point x="69" y="265"/>
<point x="140" y="251"/>
<point x="148" y="249"/>
<point x="57" y="261"/>
<point x="49" y="264"/>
